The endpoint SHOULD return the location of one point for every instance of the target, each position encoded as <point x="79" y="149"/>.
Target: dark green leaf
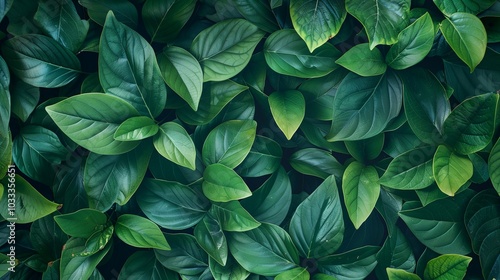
<point x="363" y="61"/>
<point x="257" y="12"/>
<point x="366" y="149"/>
<point x="447" y="267"/>
<point x="91" y="84"/>
<point x="97" y="241"/>
<point x="354" y="264"/>
<point x="164" y="169"/>
<point x="397" y="253"/>
<point x="5" y="6"/>
<point x="208" y="233"/>
<point x="82" y="223"/>
<point x="231" y="271"/>
<point x="450" y="170"/>
<point x="264" y="158"/>
<point x="68" y="187"/>
<point x="316" y="162"/>
<point x="174" y="143"/>
<point x="47" y="238"/>
<point x="494" y="166"/>
<point x="140" y="232"/>
<point x="25" y="98"/>
<point x="5" y="99"/>
<point x="186" y="257"/>
<point x="233" y="217"/>
<point x="73" y="266"/>
<point x="124" y="10"/>
<point x="468" y="6"/>
<point x="222" y="184"/>
<point x="143" y="265"/>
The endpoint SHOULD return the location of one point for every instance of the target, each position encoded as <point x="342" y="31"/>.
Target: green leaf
<point x="363" y="61"/>
<point x="144" y="265"/>
<point x="257" y="12"/>
<point x="114" y="179"/>
<point x="61" y="21"/>
<point x="140" y="232"/>
<point x="400" y="274"/>
<point x="299" y="273"/>
<point x="136" y="128"/>
<point x="364" y="106"/>
<point x="467" y="37"/>
<point x="30" y="205"/>
<point x="361" y="190"/>
<point x="47" y="238"/>
<point x="5" y="98"/>
<point x="186" y="257"/>
<point x="413" y="45"/>
<point x="208" y="233"/>
<point x="40" y="61"/>
<point x="426" y="107"/>
<point x="82" y="223"/>
<point x="164" y="20"/>
<point x="229" y="143"/>
<point x="5" y="6"/>
<point x="174" y="143"/>
<point x="73" y="266"/>
<point x="182" y="73"/>
<point x="91" y="84"/>
<point x="286" y="53"/>
<point x="124" y="10"/>
<point x="466" y="6"/>
<point x="382" y="19"/>
<point x="24" y="99"/>
<point x="471" y="125"/>
<point x="397" y="253"/>
<point x="366" y="149"/>
<point x="316" y="162"/>
<point x="68" y="187"/>
<point x="264" y="158"/>
<point x="447" y="267"/>
<point x="450" y="170"/>
<point x="411" y="170"/>
<point x="494" y="166"/>
<point x="233" y="217"/>
<point x="128" y="68"/>
<point x="5" y="153"/>
<point x="288" y="109"/>
<point x="354" y="264"/>
<point x="170" y="204"/>
<point x="91" y="120"/>
<point x="266" y="250"/>
<point x="317" y="21"/>
<point x="97" y="241"/>
<point x="222" y="184"/>
<point x="232" y="270"/>
<point x="225" y="48"/>
<point x="317" y="226"/>
<point x="164" y="169"/>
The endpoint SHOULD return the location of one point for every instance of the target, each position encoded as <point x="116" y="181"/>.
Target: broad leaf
<point x="140" y="232"/>
<point x="91" y="121"/>
<point x="82" y="223"/>
<point x="186" y="257"/>
<point x="354" y="264"/>
<point x="466" y="35"/>
<point x="233" y="217"/>
<point x="396" y="252"/>
<point x="316" y="162"/>
<point x="450" y="170"/>
<point x="447" y="267"/>
<point x="317" y="21"/>
<point x="366" y="149"/>
<point x="74" y="266"/>
<point x="128" y="68"/>
<point x="222" y="184"/>
<point x="24" y="97"/>
<point x="494" y="166"/>
<point x="208" y="233"/>
<point x="400" y="274"/>
<point x="232" y="270"/>
<point x="288" y="109"/>
<point x="382" y="19"/>
<point x="363" y="61"/>
<point x="124" y="10"/>
<point x="144" y="265"/>
<point x="361" y="190"/>
<point x="264" y="158"/>
<point x="317" y="226"/>
<point x="257" y="12"/>
<point x="136" y="128"/>
<point x="286" y="53"/>
<point x="299" y="273"/>
<point x="225" y="48"/>
<point x="467" y="6"/>
<point x="40" y="61"/>
<point x="5" y="6"/>
<point x="174" y="143"/>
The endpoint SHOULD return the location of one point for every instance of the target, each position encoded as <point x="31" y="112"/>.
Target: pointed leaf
<point x="144" y="265"/>
<point x="264" y="158"/>
<point x="209" y="235"/>
<point x="288" y="109"/>
<point x="124" y="10"/>
<point x="82" y="223"/>
<point x="73" y="266"/>
<point x="447" y="267"/>
<point x="233" y="217"/>
<point x="186" y="257"/>
<point x="299" y="273"/>
<point x="363" y="61"/>
<point x="468" y="6"/>
<point x="136" y="128"/>
<point x="140" y="232"/>
<point x="494" y="166"/>
<point x="222" y="184"/>
<point x="174" y="143"/>
<point x="450" y="170"/>
<point x="400" y="274"/>
<point x="232" y="270"/>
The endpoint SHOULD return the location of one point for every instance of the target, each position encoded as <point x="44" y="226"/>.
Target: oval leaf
<point x="363" y="61"/>
<point x="233" y="217"/>
<point x="136" y="128"/>
<point x="174" y="143"/>
<point x="209" y="234"/>
<point x="450" y="170"/>
<point x="144" y="265"/>
<point x="447" y="267"/>
<point x="494" y="166"/>
<point x="288" y="109"/>
<point x="299" y="273"/>
<point x="82" y="223"/>
<point x="222" y="184"/>
<point x="140" y="232"/>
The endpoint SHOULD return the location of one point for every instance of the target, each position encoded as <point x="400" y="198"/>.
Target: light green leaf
<point x="229" y="143"/>
<point x="317" y="226"/>
<point x="40" y="61"/>
<point x="208" y="233"/>
<point x="136" y="128"/>
<point x="182" y="73"/>
<point x="231" y="271"/>
<point x="447" y="267"/>
<point x="317" y="21"/>
<point x="466" y="6"/>
<point x="82" y="223"/>
<point x="74" y="266"/>
<point x="128" y="68"/>
<point x="363" y="61"/>
<point x="225" y="48"/>
<point x="413" y="45"/>
<point x="144" y="265"/>
<point x="140" y="232"/>
<point x="288" y="109"/>
<point x="494" y="166"/>
<point x="382" y="19"/>
<point x="450" y="170"/>
<point x="299" y="273"/>
<point x="286" y="53"/>
<point x="233" y="217"/>
<point x="174" y="143"/>
<point x="124" y="10"/>
<point x="400" y="274"/>
<point x="364" y="106"/>
<point x="91" y="120"/>
<point x="361" y="191"/>
<point x="30" y="205"/>
<point x="466" y="35"/>
<point x="222" y="184"/>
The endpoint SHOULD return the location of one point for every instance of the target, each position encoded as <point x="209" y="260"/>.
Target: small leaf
<point x="222" y="184"/>
<point x="363" y="61"/>
<point x="136" y="128"/>
<point x="299" y="273"/>
<point x="82" y="223"/>
<point x="209" y="234"/>
<point x="174" y="143"/>
<point x="450" y="170"/>
<point x="447" y="267"/>
<point x="316" y="162"/>
<point x="186" y="257"/>
<point x="140" y="232"/>
<point x="233" y="217"/>
<point x="400" y="274"/>
<point x="74" y="266"/>
<point x="288" y="109"/>
<point x="264" y="158"/>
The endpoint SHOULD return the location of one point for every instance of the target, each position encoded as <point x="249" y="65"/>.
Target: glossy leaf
<point x="468" y="6"/>
<point x="124" y="10"/>
<point x="82" y="223"/>
<point x="24" y="99"/>
<point x="396" y="252"/>
<point x="317" y="21"/>
<point x="208" y="233"/>
<point x="494" y="166"/>
<point x="174" y="143"/>
<point x="450" y="170"/>
<point x="233" y="217"/>
<point x="447" y="267"/>
<point x="257" y="12"/>
<point x="136" y="128"/>
<point x="143" y="264"/>
<point x="316" y="162"/>
<point x="232" y="270"/>
<point x="72" y="265"/>
<point x="366" y="149"/>
<point x="140" y="232"/>
<point x="264" y="158"/>
<point x="299" y="273"/>
<point x="288" y="109"/>
<point x="353" y="264"/>
<point x="186" y="257"/>
<point x="400" y="274"/>
<point x="222" y="184"/>
<point x="363" y="61"/>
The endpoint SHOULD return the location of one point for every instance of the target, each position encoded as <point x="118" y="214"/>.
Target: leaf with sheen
<point x="471" y="125"/>
<point x="317" y="226"/>
<point x="451" y="170"/>
<point x="447" y="267"/>
<point x="361" y="191"/>
<point x="124" y="10"/>
<point x="364" y="106"/>
<point x="186" y="257"/>
<point x="136" y="128"/>
<point x="25" y="98"/>
<point x="466" y="35"/>
<point x="413" y="45"/>
<point x="264" y="158"/>
<point x="258" y="12"/>
<point x="74" y="266"/>
<point x="382" y="19"/>
<point x="170" y="204"/>
<point x="468" y="6"/>
<point x="354" y="264"/>
<point x="82" y="223"/>
<point x="144" y="265"/>
<point x="317" y="21"/>
<point x="232" y="270"/>
<point x="140" y="232"/>
<point x="267" y="250"/>
<point x="494" y="166"/>
<point x="5" y="6"/>
<point x="316" y="162"/>
<point x="182" y="73"/>
<point x="400" y="274"/>
<point x="40" y="61"/>
<point x="91" y="120"/>
<point x="174" y="143"/>
<point x="233" y="217"/>
<point x="299" y="273"/>
<point x="208" y="233"/>
<point x="287" y="54"/>
<point x="128" y="68"/>
<point x="225" y="48"/>
<point x="222" y="184"/>
<point x="363" y="61"/>
<point x="288" y="109"/>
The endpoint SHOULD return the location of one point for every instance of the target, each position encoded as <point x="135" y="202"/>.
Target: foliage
<point x="250" y="139"/>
